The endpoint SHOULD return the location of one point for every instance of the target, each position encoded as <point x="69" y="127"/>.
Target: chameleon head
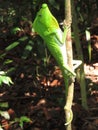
<point x="45" y="23"/>
<point x="44" y="5"/>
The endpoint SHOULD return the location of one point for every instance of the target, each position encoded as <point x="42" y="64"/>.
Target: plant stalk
<point x="80" y="57"/>
<point x="70" y="88"/>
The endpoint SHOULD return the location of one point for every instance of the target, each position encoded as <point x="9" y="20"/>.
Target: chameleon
<point x="46" y="25"/>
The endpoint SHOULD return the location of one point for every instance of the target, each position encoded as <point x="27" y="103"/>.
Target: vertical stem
<point x="80" y="56"/>
<point x="69" y="96"/>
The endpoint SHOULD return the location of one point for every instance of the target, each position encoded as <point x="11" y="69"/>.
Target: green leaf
<point x="2" y="73"/>
<point x="11" y="46"/>
<point x="88" y="38"/>
<point x="5" y="79"/>
<point x="22" y="39"/>
<point x="8" y="61"/>
<point x="25" y="119"/>
<point x="21" y="120"/>
<point x="15" y="30"/>
<point x="87" y="35"/>
<point x="27" y="49"/>
<point x="2" y="55"/>
<point x="11" y="70"/>
<point x="4" y="104"/>
<point x="5" y="114"/>
<point x="16" y="43"/>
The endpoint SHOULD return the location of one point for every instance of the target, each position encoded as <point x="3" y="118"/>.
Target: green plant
<point x="88" y="38"/>
<point x="5" y="79"/>
<point x="22" y="120"/>
<point x="80" y="56"/>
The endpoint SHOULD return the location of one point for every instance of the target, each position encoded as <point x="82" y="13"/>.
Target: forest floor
<point x="41" y="98"/>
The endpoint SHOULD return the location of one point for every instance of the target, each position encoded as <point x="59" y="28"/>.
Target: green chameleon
<point x="48" y="28"/>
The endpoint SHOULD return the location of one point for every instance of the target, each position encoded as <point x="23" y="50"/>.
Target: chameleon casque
<point x="48" y="28"/>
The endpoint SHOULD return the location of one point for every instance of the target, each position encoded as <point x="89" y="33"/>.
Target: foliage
<point x="5" y="79"/>
<point x="21" y="120"/>
<point x="88" y="38"/>
<point x="4" y="105"/>
<point x="5" y="114"/>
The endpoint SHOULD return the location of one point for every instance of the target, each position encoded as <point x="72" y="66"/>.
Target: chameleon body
<point x="48" y="28"/>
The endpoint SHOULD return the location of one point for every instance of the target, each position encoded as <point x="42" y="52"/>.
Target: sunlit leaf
<point x="25" y="119"/>
<point x="8" y="61"/>
<point x="15" y="30"/>
<point x="5" y="79"/>
<point x="87" y="35"/>
<point x="23" y="38"/>
<point x="88" y="38"/>
<point x="21" y="120"/>
<point x="2" y="73"/>
<point x="5" y="114"/>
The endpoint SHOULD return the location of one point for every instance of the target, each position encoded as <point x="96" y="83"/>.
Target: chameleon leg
<point x="76" y="64"/>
